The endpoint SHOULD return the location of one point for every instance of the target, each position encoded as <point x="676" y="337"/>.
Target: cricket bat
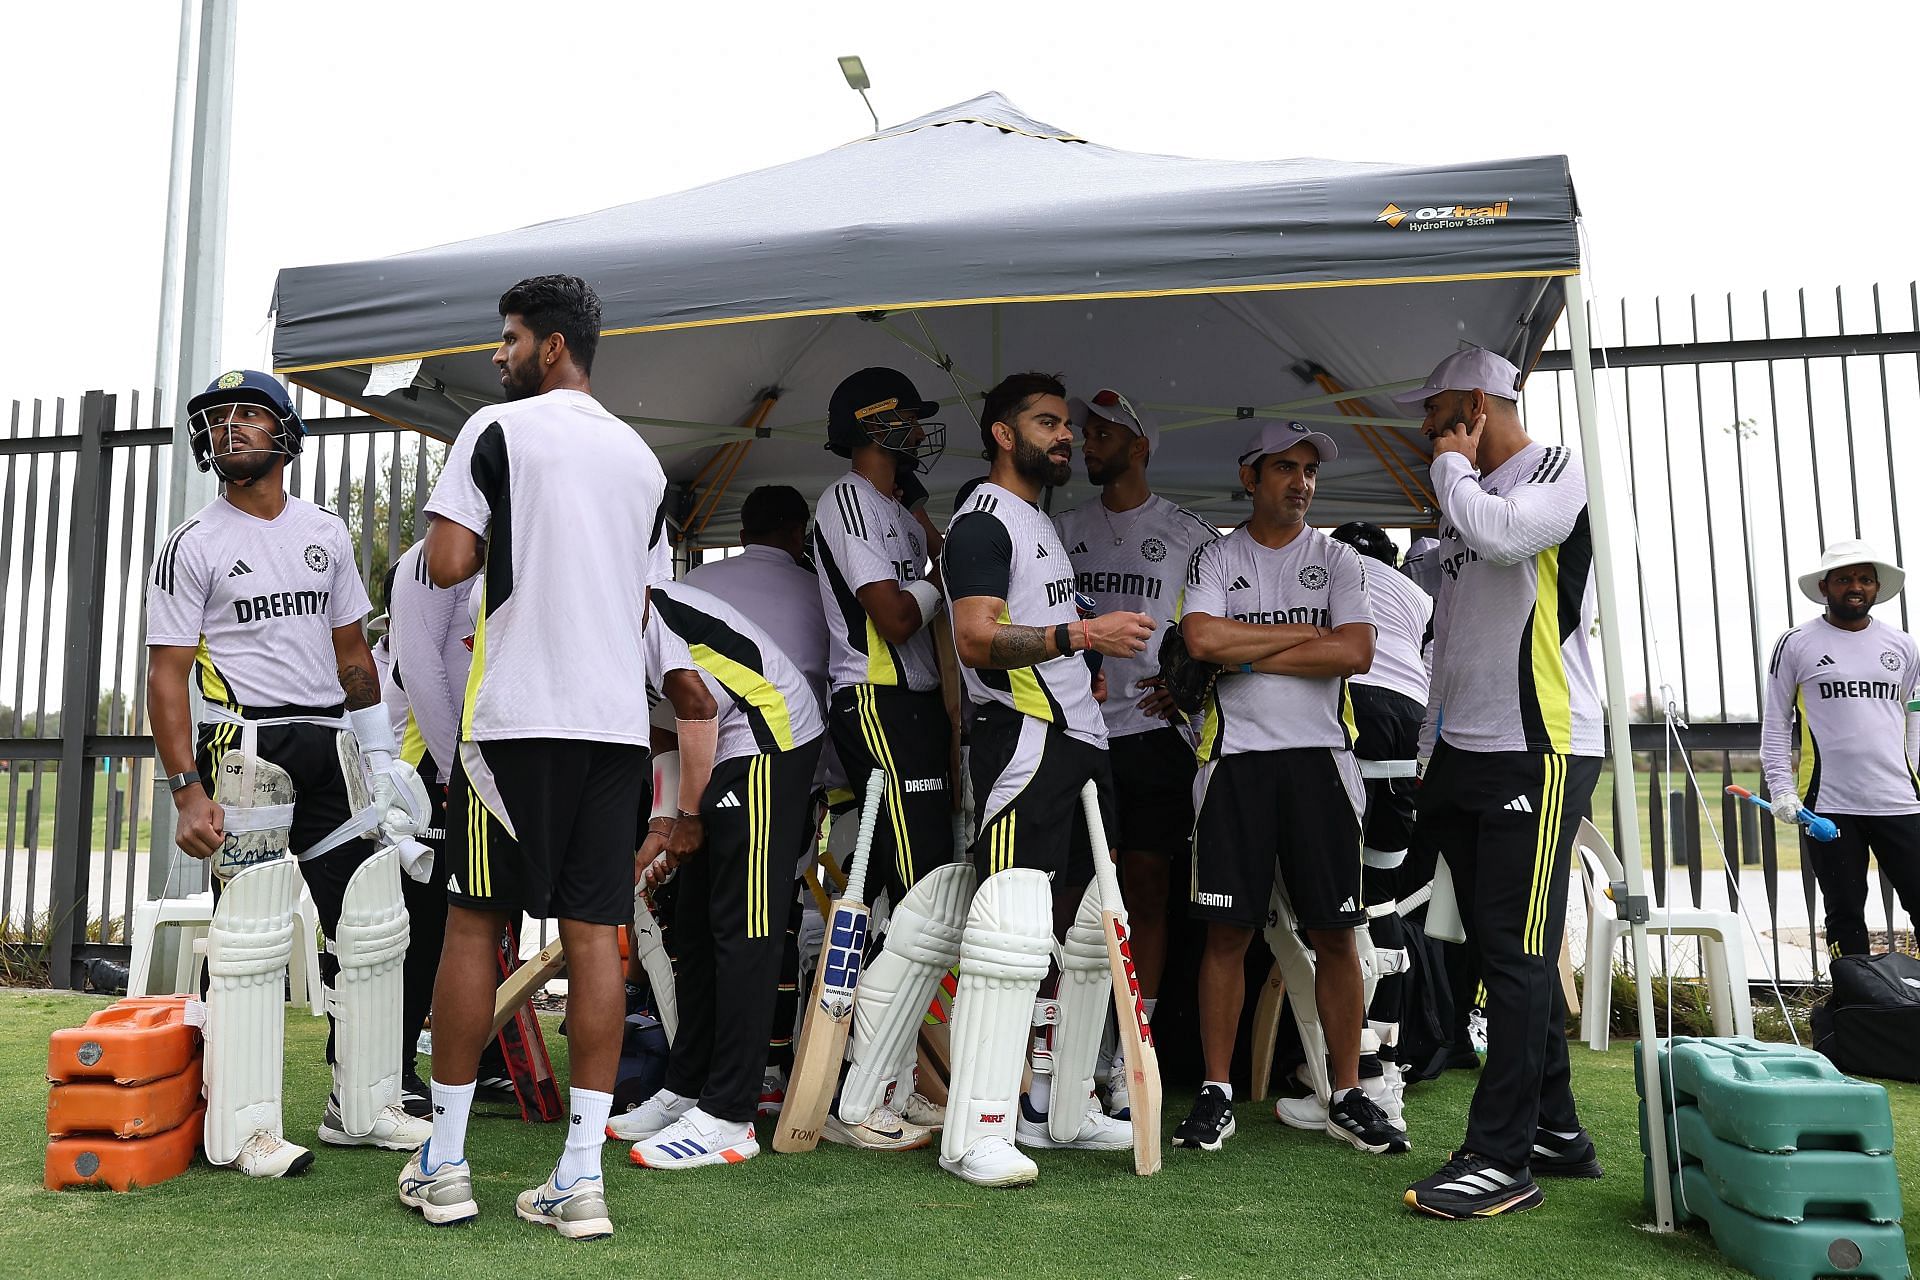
<point x="1136" y="1036"/>
<point x="523" y="1048"/>
<point x="1266" y="1031"/>
<point x="655" y="962"/>
<point x="823" y="1038"/>
<point x="521" y="984"/>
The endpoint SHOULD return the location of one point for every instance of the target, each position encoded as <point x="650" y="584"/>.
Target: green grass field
<point x="1275" y="1203"/>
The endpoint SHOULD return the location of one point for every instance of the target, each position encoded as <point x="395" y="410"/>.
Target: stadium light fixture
<point x="856" y="73"/>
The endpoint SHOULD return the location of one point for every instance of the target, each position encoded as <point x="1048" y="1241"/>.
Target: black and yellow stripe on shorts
<point x="874" y="733"/>
<point x="1552" y="810"/>
<point x="759" y="842"/>
<point x="1000" y="844"/>
<point x="479" y="866"/>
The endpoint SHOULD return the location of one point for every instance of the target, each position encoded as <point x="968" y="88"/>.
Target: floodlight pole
<point x="1627" y="817"/>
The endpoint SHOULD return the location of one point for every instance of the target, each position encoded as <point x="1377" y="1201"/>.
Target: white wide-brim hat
<point x="1852" y="551"/>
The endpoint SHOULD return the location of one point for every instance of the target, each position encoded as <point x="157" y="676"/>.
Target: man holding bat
<point x="1037" y="737"/>
<point x="737" y="891"/>
<point x="557" y="505"/>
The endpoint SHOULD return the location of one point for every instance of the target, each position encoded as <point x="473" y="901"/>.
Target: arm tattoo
<point x="1015" y="646"/>
<point x="361" y="688"/>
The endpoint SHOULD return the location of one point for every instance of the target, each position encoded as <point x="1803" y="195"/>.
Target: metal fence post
<point x="79" y="689"/>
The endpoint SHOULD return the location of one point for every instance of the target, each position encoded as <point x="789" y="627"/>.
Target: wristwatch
<point x="179" y="780"/>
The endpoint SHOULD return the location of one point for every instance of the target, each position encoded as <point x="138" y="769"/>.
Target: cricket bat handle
<point x="869" y="823"/>
<point x="1103" y="872"/>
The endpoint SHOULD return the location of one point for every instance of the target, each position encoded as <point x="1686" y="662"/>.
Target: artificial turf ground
<point x="1275" y="1202"/>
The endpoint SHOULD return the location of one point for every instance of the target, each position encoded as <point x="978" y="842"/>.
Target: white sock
<point x="1339" y="1094"/>
<point x="1041" y="1093"/>
<point x="452" y="1103"/>
<point x="1221" y="1085"/>
<point x="586" y="1134"/>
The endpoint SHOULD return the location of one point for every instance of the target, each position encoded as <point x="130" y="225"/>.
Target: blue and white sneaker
<point x="443" y="1197"/>
<point x="577" y="1211"/>
<point x="697" y="1139"/>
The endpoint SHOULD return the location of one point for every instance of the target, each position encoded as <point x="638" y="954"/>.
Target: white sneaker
<point x="1118" y="1102"/>
<point x="393" y="1129"/>
<point x="266" y="1156"/>
<point x="993" y="1162"/>
<point x="884" y="1130"/>
<point x="1098" y="1130"/>
<point x="577" y="1211"/>
<point x="443" y="1197"/>
<point x="697" y="1139"/>
<point x="1302" y="1113"/>
<point x="637" y="1124"/>
<point x="1477" y="1031"/>
<point x="923" y="1111"/>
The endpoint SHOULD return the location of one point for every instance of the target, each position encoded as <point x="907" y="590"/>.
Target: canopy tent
<point x="975" y="241"/>
<point x="980" y="240"/>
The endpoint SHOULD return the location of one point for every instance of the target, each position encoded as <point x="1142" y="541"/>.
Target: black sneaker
<point x="1472" y="1186"/>
<point x="1557" y="1157"/>
<point x="1358" y="1119"/>
<point x="416" y="1098"/>
<point x="1209" y="1124"/>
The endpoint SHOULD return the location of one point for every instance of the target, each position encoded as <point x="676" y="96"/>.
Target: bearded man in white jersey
<point x="1837" y="693"/>
<point x="557" y="505"/>
<point x="1285" y="610"/>
<point x="1036" y="737"/>
<point x="257" y="599"/>
<point x="1130" y="549"/>
<point x="1514" y="730"/>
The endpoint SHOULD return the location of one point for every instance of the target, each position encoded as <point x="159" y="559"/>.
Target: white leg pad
<point x="1369" y="964"/>
<point x="1296" y="966"/>
<point x="1003" y="956"/>
<point x="922" y="944"/>
<point x="1086" y="998"/>
<point x="249" y="942"/>
<point x="371" y="945"/>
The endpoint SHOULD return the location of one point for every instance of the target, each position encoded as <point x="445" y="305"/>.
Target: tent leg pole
<point x="1627" y="835"/>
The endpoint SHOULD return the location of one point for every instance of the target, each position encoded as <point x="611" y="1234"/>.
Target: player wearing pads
<point x="872" y="543"/>
<point x="557" y="505"/>
<point x="1285" y="609"/>
<point x="1037" y="735"/>
<point x="736" y="892"/>
<point x="256" y="599"/>
<point x="1130" y="550"/>
<point x="1837" y="691"/>
<point x="1513" y="725"/>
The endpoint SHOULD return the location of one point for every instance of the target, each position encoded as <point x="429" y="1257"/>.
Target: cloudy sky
<point x="1710" y="151"/>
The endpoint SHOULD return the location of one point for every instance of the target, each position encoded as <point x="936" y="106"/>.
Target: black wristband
<point x="181" y="781"/>
<point x="1063" y="637"/>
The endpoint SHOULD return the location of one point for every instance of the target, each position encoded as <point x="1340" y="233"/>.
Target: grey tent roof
<point x="972" y="242"/>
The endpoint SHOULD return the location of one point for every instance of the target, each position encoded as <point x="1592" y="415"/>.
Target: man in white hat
<point x="1514" y="727"/>
<point x="1837" y="693"/>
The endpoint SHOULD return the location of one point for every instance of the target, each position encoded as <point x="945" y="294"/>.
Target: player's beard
<point x="1103" y="471"/>
<point x="1032" y="463"/>
<point x="1844" y="610"/>
<point x="521" y="381"/>
<point x="245" y="467"/>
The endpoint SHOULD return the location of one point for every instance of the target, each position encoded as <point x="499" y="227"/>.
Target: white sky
<point x="1713" y="147"/>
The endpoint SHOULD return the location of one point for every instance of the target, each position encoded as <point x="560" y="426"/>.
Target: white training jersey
<point x="765" y="703"/>
<point x="1133" y="560"/>
<point x="568" y="498"/>
<point x="861" y="536"/>
<point x="780" y="597"/>
<point x="1402" y="627"/>
<point x="1002" y="546"/>
<point x="429" y="631"/>
<point x="1839" y="699"/>
<point x="260" y="600"/>
<point x="1312" y="581"/>
<point x="1511" y="671"/>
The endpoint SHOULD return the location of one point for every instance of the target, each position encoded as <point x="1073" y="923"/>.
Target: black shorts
<point x="908" y="735"/>
<point x="310" y="754"/>
<point x="575" y="813"/>
<point x="1389" y="725"/>
<point x="1153" y="791"/>
<point x="1297" y="811"/>
<point x="1027" y="776"/>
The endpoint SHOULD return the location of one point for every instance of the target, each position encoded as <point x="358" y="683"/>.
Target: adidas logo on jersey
<point x="728" y="801"/>
<point x="1043" y="552"/>
<point x="1519" y="804"/>
<point x="239" y="567"/>
<point x="1826" y="660"/>
<point x="1079" y="549"/>
<point x="1240" y="584"/>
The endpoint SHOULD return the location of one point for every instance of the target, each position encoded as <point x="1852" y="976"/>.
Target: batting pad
<point x="371" y="946"/>
<point x="1003" y="956"/>
<point x="1086" y="998"/>
<point x="1296" y="966"/>
<point x="922" y="943"/>
<point x="256" y="797"/>
<point x="249" y="942"/>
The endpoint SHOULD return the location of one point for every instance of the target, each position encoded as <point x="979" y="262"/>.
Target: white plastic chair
<point x="192" y="915"/>
<point x="1722" y="945"/>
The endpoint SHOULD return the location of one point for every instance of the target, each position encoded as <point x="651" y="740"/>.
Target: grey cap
<point x="1278" y="437"/>
<point x="1474" y="369"/>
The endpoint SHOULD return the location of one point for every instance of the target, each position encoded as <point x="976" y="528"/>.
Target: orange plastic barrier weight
<point x="137" y="1040"/>
<point x="125" y="1111"/>
<point x="123" y="1163"/>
